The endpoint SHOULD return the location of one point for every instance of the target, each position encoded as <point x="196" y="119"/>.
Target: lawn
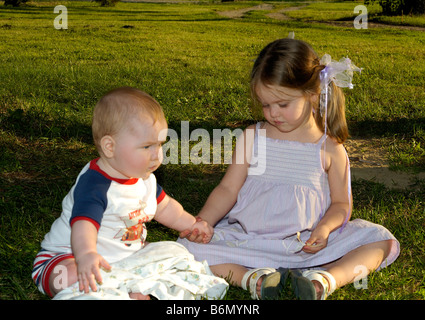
<point x="196" y="63"/>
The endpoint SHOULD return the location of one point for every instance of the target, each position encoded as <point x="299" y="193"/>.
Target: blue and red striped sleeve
<point x="90" y="198"/>
<point x="160" y="194"/>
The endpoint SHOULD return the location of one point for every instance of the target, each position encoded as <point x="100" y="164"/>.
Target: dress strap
<point x="322" y="140"/>
<point x="322" y="146"/>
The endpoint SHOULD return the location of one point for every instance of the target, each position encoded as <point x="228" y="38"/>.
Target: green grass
<point x="196" y="63"/>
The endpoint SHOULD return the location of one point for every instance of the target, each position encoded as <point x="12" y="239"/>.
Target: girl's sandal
<point x="272" y="285"/>
<point x="304" y="288"/>
<point x="324" y="278"/>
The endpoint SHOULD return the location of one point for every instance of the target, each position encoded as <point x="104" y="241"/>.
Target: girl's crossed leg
<point x="344" y="270"/>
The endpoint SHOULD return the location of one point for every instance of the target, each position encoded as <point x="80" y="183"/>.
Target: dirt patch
<point x="369" y="161"/>
<point x="280" y="15"/>
<point x="237" y="14"/>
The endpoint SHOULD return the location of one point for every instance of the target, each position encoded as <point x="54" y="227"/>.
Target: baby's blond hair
<point x="116" y="108"/>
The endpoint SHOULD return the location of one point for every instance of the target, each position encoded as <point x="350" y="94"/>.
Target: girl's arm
<point x="224" y="196"/>
<point x="337" y="167"/>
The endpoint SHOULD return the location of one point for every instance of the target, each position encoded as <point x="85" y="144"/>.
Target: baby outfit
<point x="287" y="195"/>
<point x="119" y="209"/>
<point x="163" y="269"/>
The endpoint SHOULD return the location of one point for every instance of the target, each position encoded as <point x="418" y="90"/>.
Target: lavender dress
<point x="287" y="195"/>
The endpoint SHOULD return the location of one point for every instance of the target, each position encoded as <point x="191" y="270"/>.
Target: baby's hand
<point x="200" y="232"/>
<point x="89" y="272"/>
<point x="204" y="229"/>
<point x="196" y="235"/>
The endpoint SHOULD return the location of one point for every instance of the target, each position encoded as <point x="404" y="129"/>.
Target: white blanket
<point x="165" y="270"/>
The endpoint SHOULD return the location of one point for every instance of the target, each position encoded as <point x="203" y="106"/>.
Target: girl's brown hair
<point x="294" y="64"/>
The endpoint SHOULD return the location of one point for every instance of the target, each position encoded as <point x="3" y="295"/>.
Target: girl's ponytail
<point x="336" y="123"/>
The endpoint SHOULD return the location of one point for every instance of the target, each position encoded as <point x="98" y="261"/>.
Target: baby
<point x="104" y="214"/>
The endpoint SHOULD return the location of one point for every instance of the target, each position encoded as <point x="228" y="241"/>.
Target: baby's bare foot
<point x="138" y="296"/>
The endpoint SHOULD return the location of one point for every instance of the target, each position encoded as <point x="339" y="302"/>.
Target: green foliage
<point x="398" y="7"/>
<point x="107" y="3"/>
<point x="15" y="3"/>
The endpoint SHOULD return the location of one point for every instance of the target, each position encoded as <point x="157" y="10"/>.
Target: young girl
<point x="292" y="214"/>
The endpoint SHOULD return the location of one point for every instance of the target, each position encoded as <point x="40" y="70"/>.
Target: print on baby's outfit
<point x="135" y="226"/>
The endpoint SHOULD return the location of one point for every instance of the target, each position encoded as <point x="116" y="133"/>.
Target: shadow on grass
<point x="373" y="128"/>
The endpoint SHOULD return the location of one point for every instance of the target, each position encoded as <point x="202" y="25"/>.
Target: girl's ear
<point x="107" y="143"/>
<point x="314" y="98"/>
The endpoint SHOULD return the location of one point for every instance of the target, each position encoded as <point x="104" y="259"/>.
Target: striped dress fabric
<point x="286" y="192"/>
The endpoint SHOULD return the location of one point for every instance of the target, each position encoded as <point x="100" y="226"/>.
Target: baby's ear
<point x="107" y="143"/>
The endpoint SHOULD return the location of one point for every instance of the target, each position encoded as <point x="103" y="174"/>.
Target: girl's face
<point x="284" y="108"/>
<point x="138" y="148"/>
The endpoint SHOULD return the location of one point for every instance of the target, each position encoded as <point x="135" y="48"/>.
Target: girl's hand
<point x="318" y="240"/>
<point x="88" y="270"/>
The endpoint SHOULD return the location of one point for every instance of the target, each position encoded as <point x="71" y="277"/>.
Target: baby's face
<point x="138" y="149"/>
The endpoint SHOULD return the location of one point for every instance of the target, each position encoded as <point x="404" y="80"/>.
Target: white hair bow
<point x="339" y="72"/>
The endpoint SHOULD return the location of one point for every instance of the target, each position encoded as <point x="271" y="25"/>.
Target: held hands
<point x="201" y="232"/>
<point x="88" y="270"/>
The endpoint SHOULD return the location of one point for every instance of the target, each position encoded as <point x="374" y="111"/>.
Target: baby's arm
<point x="83" y="243"/>
<point x="171" y="214"/>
